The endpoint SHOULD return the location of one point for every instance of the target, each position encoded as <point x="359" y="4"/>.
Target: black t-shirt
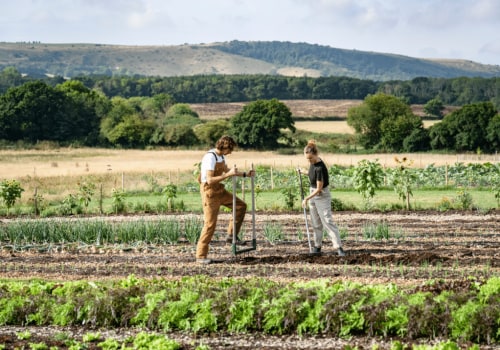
<point x="318" y="172"/>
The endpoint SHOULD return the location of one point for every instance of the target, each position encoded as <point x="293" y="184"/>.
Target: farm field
<point x="336" y="126"/>
<point x="424" y="251"/>
<point x="299" y="108"/>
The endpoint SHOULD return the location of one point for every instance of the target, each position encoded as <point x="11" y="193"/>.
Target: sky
<point x="452" y="29"/>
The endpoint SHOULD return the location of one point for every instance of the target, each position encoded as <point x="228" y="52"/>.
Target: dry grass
<point x="327" y="126"/>
<point x="172" y="163"/>
<point x="337" y="126"/>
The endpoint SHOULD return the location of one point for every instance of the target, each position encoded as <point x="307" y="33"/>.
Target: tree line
<point x="245" y="88"/>
<point x="70" y="113"/>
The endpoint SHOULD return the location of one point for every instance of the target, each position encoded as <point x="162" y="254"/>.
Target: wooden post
<point x="446" y="175"/>
<point x="243" y="188"/>
<point x="100" y="199"/>
<point x="35" y="201"/>
<point x="272" y="179"/>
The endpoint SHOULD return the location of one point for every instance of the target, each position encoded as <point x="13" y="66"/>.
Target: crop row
<point x="202" y="305"/>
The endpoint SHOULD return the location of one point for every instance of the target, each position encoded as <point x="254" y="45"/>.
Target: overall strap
<point x="215" y="155"/>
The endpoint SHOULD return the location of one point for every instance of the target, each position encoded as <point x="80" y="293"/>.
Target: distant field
<point x="336" y="126"/>
<point x="327" y="126"/>
<point x="299" y="108"/>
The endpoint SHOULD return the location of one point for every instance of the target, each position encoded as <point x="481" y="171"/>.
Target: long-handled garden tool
<point x="234" y="249"/>
<point x="305" y="212"/>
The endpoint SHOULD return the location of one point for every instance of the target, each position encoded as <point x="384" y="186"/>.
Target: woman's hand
<point x="304" y="203"/>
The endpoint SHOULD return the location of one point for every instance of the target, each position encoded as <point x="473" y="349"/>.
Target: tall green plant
<point x="170" y="191"/>
<point x="368" y="177"/>
<point x="290" y="195"/>
<point x="403" y="178"/>
<point x="10" y="191"/>
<point x="85" y="192"/>
<point x="118" y="200"/>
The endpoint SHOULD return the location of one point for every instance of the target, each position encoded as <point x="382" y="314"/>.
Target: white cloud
<point x="460" y="28"/>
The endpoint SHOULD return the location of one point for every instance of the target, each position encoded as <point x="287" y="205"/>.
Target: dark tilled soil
<point x="445" y="247"/>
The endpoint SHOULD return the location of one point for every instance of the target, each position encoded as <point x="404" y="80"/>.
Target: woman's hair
<point x="311" y="147"/>
<point x="226" y="142"/>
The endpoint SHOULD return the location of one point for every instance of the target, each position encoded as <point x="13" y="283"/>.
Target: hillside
<point x="235" y="57"/>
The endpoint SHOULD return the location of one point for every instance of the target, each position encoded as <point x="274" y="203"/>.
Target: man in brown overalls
<point x="213" y="195"/>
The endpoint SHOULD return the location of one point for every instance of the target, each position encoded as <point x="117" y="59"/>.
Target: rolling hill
<point x="235" y="57"/>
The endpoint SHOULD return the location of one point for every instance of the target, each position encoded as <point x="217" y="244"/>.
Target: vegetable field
<point x="417" y="274"/>
<point x="409" y="279"/>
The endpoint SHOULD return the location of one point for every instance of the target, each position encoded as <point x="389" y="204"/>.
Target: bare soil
<point x="299" y="108"/>
<point x="448" y="248"/>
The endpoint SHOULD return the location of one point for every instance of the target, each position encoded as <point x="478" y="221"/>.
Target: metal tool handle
<point x="234" y="206"/>
<point x="252" y="182"/>
<point x="305" y="213"/>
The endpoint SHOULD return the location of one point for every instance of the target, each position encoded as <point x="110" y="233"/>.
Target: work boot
<point x="203" y="261"/>
<point x="316" y="251"/>
<point x="238" y="241"/>
<point x="341" y="252"/>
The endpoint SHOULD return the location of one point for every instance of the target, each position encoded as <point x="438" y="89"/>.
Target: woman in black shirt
<point x="320" y="199"/>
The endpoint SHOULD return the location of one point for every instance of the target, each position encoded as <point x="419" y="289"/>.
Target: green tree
<point x="181" y="109"/>
<point x="417" y="141"/>
<point x="467" y="129"/>
<point x="125" y="126"/>
<point x="260" y="124"/>
<point x="176" y="128"/>
<point x="493" y="133"/>
<point x="33" y="112"/>
<point x="10" y="77"/>
<point x="132" y="131"/>
<point x="209" y="132"/>
<point x="397" y="129"/>
<point x="383" y="121"/>
<point x="161" y="102"/>
<point x="86" y="108"/>
<point x="434" y="108"/>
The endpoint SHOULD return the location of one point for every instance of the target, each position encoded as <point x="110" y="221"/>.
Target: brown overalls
<point x="212" y="197"/>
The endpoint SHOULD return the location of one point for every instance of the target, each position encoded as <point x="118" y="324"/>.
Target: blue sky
<point x="462" y="29"/>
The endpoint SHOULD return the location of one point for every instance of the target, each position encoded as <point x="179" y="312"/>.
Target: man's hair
<point x="226" y="142"/>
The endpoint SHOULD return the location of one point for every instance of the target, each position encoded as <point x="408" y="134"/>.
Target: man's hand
<point x="232" y="172"/>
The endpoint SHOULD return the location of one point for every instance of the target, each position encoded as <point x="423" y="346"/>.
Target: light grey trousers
<point x="320" y="208"/>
